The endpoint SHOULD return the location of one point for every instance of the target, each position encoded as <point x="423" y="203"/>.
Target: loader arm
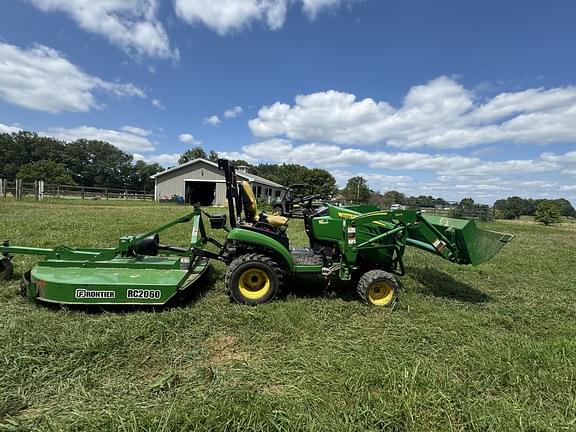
<point x="455" y="240"/>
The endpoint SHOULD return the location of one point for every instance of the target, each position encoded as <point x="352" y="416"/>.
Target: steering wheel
<point x="307" y="200"/>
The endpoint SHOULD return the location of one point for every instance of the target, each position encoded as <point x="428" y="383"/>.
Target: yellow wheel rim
<point x="380" y="294"/>
<point x="254" y="284"/>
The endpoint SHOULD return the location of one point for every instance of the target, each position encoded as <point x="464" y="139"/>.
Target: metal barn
<point x="200" y="181"/>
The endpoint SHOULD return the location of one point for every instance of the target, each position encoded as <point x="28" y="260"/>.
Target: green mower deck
<point x="139" y="271"/>
<point x="111" y="285"/>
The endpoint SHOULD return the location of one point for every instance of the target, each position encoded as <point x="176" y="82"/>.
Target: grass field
<point x="487" y="348"/>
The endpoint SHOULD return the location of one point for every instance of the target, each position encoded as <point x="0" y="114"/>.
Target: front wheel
<point x="253" y="279"/>
<point x="278" y="211"/>
<point x="378" y="288"/>
<point x="6" y="268"/>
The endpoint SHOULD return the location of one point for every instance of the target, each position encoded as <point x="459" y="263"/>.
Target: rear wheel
<point x="6" y="269"/>
<point x="378" y="288"/>
<point x="253" y="279"/>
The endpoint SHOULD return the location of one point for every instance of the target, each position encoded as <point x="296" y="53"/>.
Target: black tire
<point x="24" y="283"/>
<point x="378" y="288"/>
<point x="278" y="211"/>
<point x="6" y="269"/>
<point x="253" y="279"/>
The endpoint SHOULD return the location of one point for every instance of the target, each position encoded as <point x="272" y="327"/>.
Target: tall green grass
<point x="487" y="348"/>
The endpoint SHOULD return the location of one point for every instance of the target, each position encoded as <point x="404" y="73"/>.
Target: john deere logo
<point x="346" y="215"/>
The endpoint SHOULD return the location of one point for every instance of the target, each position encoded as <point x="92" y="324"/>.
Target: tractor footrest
<point x="306" y="256"/>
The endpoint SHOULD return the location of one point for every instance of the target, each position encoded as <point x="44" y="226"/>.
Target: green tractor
<point x="355" y="243"/>
<point x="359" y="244"/>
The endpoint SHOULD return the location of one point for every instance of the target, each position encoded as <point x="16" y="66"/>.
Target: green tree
<point x="23" y="148"/>
<point x="548" y="213"/>
<point x="320" y="182"/>
<point x="46" y="170"/>
<point x="376" y="198"/>
<point x="140" y="175"/>
<point x="97" y="163"/>
<point x="393" y="197"/>
<point x="512" y="207"/>
<point x="357" y="190"/>
<point x="191" y="154"/>
<point x="467" y="203"/>
<point x="565" y="206"/>
<point x="213" y="156"/>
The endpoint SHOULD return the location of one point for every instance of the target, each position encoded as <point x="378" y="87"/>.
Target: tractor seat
<point x="251" y="209"/>
<point x="274" y="220"/>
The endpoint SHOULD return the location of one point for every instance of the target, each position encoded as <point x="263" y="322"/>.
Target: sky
<point x="447" y="98"/>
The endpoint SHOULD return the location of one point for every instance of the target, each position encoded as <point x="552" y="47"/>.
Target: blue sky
<point x="445" y="98"/>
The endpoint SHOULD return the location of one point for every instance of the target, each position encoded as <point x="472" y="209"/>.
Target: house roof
<point x="262" y="180"/>
<point x="248" y="176"/>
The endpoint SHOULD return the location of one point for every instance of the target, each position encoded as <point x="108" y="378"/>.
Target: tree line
<point x="30" y="157"/>
<point x="515" y="206"/>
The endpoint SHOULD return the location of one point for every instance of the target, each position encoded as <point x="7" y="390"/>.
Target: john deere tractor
<point x="356" y="243"/>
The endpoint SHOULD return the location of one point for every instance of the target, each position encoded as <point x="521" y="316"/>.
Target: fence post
<point x="106" y="192"/>
<point x="82" y="192"/>
<point x="126" y="194"/>
<point x="18" y="189"/>
<point x="41" y="190"/>
<point x="2" y="188"/>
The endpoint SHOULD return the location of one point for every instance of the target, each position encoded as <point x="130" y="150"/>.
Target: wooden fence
<point x="40" y="190"/>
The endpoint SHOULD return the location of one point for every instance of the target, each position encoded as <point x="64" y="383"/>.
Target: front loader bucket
<point x="474" y="245"/>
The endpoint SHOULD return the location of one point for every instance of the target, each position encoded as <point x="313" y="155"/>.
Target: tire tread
<point x="370" y="277"/>
<point x="245" y="258"/>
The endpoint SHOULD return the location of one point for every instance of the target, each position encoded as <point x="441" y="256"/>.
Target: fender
<point x="253" y="237"/>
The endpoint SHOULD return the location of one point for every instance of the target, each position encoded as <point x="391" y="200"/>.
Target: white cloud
<point x="164" y="159"/>
<point x="330" y="155"/>
<point x="451" y="176"/>
<point x="158" y="104"/>
<point x="233" y="112"/>
<point x="212" y="120"/>
<point x="124" y="140"/>
<point x="313" y="7"/>
<point x="376" y="181"/>
<point x="136" y="130"/>
<point x="440" y="114"/>
<point x="226" y="16"/>
<point x="132" y="25"/>
<point x="40" y="78"/>
<point x="9" y="129"/>
<point x="189" y="139"/>
<point x="237" y="156"/>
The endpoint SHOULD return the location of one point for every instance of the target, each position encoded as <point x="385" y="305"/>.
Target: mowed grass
<point x="487" y="348"/>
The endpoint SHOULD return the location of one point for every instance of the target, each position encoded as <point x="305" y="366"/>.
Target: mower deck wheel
<point x="378" y="288"/>
<point x="6" y="268"/>
<point x="253" y="279"/>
